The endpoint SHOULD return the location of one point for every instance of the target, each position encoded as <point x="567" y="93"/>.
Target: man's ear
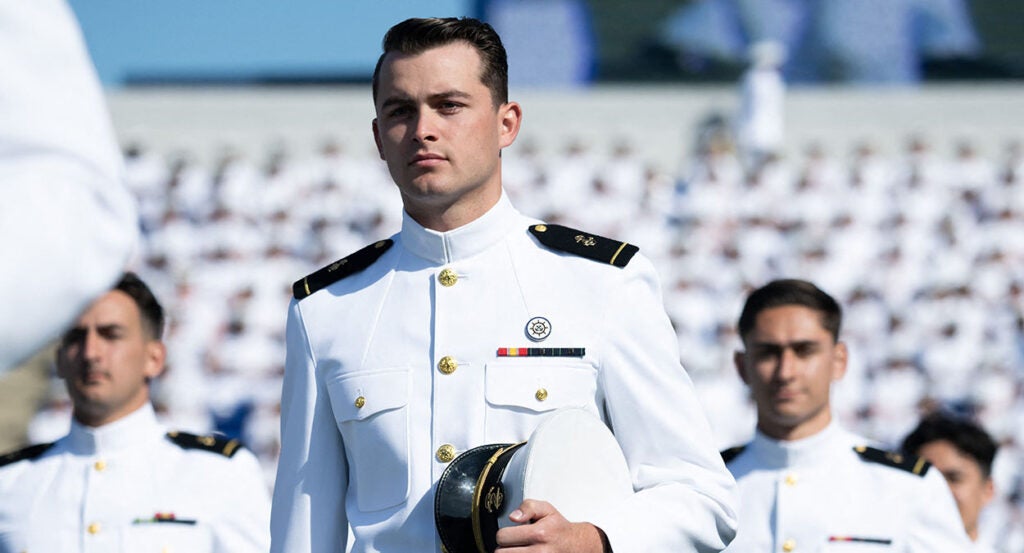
<point x="510" y="119"/>
<point x="839" y="360"/>
<point x="739" y="359"/>
<point x="156" y="358"/>
<point x="376" y="138"/>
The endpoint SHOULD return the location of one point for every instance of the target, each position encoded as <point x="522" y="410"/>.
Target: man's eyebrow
<point x="449" y="94"/>
<point x="396" y="101"/>
<point x="783" y="345"/>
<point x="439" y="96"/>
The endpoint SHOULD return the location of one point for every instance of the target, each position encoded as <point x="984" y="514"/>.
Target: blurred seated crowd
<point x="924" y="248"/>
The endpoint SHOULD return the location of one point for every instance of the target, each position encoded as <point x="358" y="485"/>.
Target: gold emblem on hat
<point x="494" y="499"/>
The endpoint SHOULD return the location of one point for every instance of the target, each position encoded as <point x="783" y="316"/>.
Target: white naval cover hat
<point x="571" y="460"/>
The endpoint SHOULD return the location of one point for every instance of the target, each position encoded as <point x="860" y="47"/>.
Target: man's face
<point x="971" y="488"/>
<point x="440" y="133"/>
<point x="789" y="365"/>
<point x="106" y="359"/>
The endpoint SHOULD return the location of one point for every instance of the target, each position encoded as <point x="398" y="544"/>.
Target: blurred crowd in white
<point x="924" y="248"/>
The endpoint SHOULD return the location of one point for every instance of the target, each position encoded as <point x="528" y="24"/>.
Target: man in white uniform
<point x="467" y="328"/>
<point x="119" y="482"/>
<point x="805" y="483"/>
<point x="63" y="200"/>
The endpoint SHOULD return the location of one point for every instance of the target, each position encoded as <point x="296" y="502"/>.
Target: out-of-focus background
<point x="875" y="147"/>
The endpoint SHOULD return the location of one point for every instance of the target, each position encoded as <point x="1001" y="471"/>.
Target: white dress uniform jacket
<point x="394" y="370"/>
<point x="68" y="224"/>
<point x="128" y="487"/>
<point x="820" y="495"/>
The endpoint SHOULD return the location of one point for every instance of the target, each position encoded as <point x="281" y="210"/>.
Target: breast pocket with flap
<point x="520" y="393"/>
<point x="371" y="410"/>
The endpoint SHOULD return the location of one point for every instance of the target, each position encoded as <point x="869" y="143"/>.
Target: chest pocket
<point x="520" y="392"/>
<point x="371" y="410"/>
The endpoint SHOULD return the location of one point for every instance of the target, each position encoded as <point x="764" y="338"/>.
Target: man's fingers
<point x="531" y="510"/>
<point x="526" y="533"/>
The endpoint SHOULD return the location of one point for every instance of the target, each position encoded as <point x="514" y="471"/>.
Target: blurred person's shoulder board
<point x="214" y="444"/>
<point x="24" y="454"/>
<point x="908" y="463"/>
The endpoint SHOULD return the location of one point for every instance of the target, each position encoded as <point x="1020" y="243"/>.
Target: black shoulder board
<point x="213" y="444"/>
<point x="902" y="461"/>
<point x="733" y="452"/>
<point x="340" y="269"/>
<point x="591" y="246"/>
<point x="30" y="452"/>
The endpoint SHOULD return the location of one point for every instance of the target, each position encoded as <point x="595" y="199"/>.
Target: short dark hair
<point x="778" y="293"/>
<point x="966" y="436"/>
<point x="414" y="36"/>
<point x="150" y="309"/>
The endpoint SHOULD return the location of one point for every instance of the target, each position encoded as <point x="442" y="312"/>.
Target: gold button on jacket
<point x="447" y="278"/>
<point x="446" y="453"/>
<point x="447" y="365"/>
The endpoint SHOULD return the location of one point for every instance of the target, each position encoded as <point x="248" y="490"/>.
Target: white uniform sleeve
<point x="937" y="527"/>
<point x="308" y="513"/>
<point x="244" y="526"/>
<point x="67" y="220"/>
<point x="686" y="499"/>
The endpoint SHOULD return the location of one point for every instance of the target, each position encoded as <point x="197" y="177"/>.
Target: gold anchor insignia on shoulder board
<point x="334" y="266"/>
<point x="585" y="240"/>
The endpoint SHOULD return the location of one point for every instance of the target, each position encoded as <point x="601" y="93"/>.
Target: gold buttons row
<point x="791" y="479"/>
<point x="100" y="465"/>
<point x="789" y="545"/>
<point x="94" y="528"/>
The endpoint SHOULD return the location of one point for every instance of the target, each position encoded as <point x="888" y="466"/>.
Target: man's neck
<point x="789" y="433"/>
<point x="443" y="216"/>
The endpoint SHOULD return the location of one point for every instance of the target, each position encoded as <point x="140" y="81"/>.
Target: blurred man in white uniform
<point x="805" y="483"/>
<point x="119" y="481"/>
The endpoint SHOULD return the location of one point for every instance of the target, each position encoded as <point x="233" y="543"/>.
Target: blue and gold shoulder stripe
<point x="214" y="444"/>
<point x="25" y="453"/>
<point x="590" y="246"/>
<point x="902" y="461"/>
<point x="340" y="269"/>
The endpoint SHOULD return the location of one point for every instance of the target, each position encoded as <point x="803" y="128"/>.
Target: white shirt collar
<point x="463" y="242"/>
<point x="131" y="430"/>
<point x="807" y="451"/>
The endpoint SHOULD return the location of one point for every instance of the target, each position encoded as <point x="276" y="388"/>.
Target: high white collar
<point x="465" y="241"/>
<point x="811" y="450"/>
<point x="138" y="427"/>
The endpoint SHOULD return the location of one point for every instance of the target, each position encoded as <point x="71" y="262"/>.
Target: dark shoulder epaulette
<point x="902" y="461"/>
<point x="340" y="269"/>
<point x="590" y="246"/>
<point x="733" y="452"/>
<point x="30" y="452"/>
<point x="214" y="444"/>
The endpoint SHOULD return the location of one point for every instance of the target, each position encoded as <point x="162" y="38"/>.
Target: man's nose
<point x="425" y="128"/>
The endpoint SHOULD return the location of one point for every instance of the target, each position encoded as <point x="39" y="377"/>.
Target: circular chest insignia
<point x="538" y="328"/>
